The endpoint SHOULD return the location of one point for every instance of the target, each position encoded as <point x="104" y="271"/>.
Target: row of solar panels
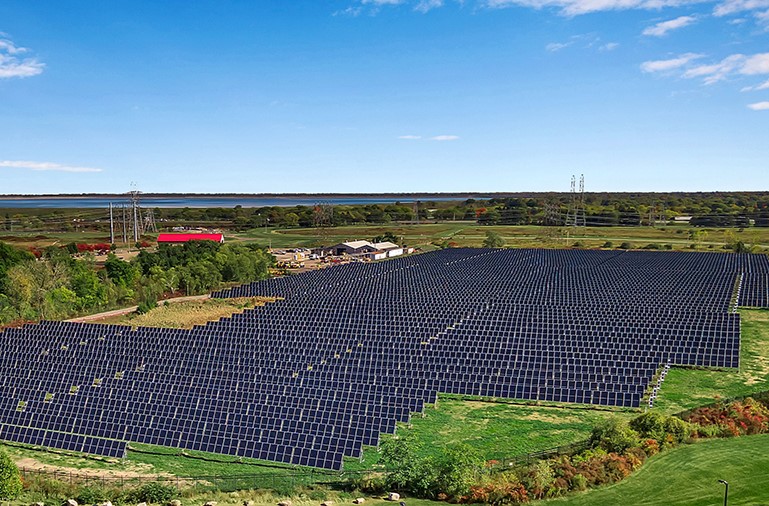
<point x="384" y="327"/>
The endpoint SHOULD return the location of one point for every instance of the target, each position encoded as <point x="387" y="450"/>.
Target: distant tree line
<point x="58" y="284"/>
<point x="715" y="209"/>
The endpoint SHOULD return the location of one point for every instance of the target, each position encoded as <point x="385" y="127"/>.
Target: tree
<point x="10" y="478"/>
<point x="458" y="469"/>
<point x="120" y="272"/>
<point x="614" y="435"/>
<point x="405" y="468"/>
<point x="493" y="240"/>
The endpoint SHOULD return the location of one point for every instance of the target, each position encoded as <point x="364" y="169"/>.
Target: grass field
<point x="185" y="315"/>
<point x="688" y="388"/>
<point x="689" y="476"/>
<point x="530" y="236"/>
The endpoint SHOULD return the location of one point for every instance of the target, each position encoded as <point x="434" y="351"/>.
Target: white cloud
<point x="577" y="7"/>
<point x="381" y="2"/>
<point x="728" y="7"/>
<point x="735" y="64"/>
<point x="668" y="65"/>
<point x="610" y="46"/>
<point x="444" y="138"/>
<point x="428" y="5"/>
<point x="664" y="27"/>
<point x="717" y="71"/>
<point x="759" y="106"/>
<point x="13" y="65"/>
<point x="756" y="64"/>
<point x="45" y="166"/>
<point x="410" y="137"/>
<point x="557" y="46"/>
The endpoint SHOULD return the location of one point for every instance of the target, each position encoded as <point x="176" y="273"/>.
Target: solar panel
<point x="349" y="351"/>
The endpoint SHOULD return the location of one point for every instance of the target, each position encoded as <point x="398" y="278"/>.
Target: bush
<point x="154" y="492"/>
<point x="10" y="478"/>
<point x="614" y="435"/>
<point x="650" y="425"/>
<point x="146" y="306"/>
<point x="608" y="244"/>
<point x="625" y="245"/>
<point x="91" y="495"/>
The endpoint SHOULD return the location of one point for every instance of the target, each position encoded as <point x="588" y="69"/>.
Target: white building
<point x="365" y="249"/>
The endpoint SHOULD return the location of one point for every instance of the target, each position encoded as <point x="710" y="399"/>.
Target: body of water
<point x="204" y="202"/>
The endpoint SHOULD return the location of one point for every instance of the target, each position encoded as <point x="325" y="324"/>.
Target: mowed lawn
<point x="688" y="388"/>
<point x="689" y="476"/>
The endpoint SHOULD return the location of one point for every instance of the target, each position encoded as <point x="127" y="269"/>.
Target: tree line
<point x="716" y="209"/>
<point x="59" y="285"/>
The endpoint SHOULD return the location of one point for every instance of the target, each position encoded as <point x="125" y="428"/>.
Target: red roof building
<point x="182" y="238"/>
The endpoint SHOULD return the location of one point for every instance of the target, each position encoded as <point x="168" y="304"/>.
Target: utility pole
<point x="125" y="227"/>
<point x="111" y="226"/>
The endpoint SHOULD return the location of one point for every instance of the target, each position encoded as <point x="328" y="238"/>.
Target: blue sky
<point x="383" y="95"/>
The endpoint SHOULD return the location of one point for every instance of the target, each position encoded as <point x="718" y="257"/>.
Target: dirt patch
<point x="550" y="417"/>
<point x="142" y="471"/>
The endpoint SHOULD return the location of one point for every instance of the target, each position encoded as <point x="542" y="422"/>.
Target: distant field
<point x="471" y="234"/>
<point x="689" y="476"/>
<point x="461" y="233"/>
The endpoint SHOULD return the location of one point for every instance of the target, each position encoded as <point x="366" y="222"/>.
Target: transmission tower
<point x="552" y="216"/>
<point x="576" y="214"/>
<point x="148" y="222"/>
<point x="323" y="219"/>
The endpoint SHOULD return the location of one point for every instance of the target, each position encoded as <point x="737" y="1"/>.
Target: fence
<point x="226" y="483"/>
<point x="288" y="480"/>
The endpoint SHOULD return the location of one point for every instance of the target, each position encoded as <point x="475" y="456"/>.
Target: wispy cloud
<point x="578" y="7"/>
<point x="758" y="87"/>
<point x="714" y="72"/>
<point x="663" y="27"/>
<point x="759" y="106"/>
<point x="669" y="64"/>
<point x="584" y="41"/>
<point x="14" y="64"/>
<point x="557" y="46"/>
<point x="45" y="166"/>
<point x="732" y="65"/>
<point x="759" y="8"/>
<point x="756" y="64"/>
<point x="610" y="46"/>
<point x="728" y="7"/>
<point x="439" y="138"/>
<point x="424" y="6"/>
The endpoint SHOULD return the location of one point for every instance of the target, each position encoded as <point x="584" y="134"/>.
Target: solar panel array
<point x="353" y="349"/>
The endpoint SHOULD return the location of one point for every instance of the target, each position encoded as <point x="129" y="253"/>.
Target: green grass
<point x="470" y="234"/>
<point x="497" y="431"/>
<point x="689" y="476"/>
<point x="688" y="388"/>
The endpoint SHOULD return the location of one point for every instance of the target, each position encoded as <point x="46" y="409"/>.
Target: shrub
<point x="608" y="244"/>
<point x="625" y="245"/>
<point x="91" y="495"/>
<point x="578" y="482"/>
<point x="10" y="478"/>
<point x="146" y="306"/>
<point x="456" y="470"/>
<point x="650" y="425"/>
<point x="154" y="492"/>
<point x="614" y="435"/>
